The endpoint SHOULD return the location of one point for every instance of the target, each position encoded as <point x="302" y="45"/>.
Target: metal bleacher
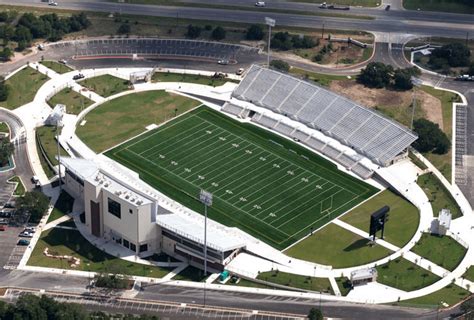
<point x="360" y="128"/>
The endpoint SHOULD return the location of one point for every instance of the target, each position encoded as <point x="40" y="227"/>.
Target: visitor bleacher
<point x="360" y="128"/>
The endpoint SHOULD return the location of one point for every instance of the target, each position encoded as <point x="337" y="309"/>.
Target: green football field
<point x="262" y="183"/>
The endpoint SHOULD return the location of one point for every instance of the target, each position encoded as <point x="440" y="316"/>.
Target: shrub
<point x="218" y="33"/>
<point x="193" y="31"/>
<point x="254" y="32"/>
<point x="124" y="28"/>
<point x="280" y="65"/>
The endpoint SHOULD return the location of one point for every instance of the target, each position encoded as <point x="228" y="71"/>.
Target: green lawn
<point x="455" y="6"/>
<point x="444" y="251"/>
<point x="68" y="223"/>
<point x="438" y="195"/>
<point x="469" y="275"/>
<point x="344" y="285"/>
<point x="403" y="221"/>
<point x="70" y="242"/>
<point x="297" y="281"/>
<point x="44" y="163"/>
<point x="23" y="86"/>
<point x="4" y="127"/>
<point x="74" y="102"/>
<point x="450" y="295"/>
<point x="191" y="273"/>
<point x="46" y="136"/>
<point x="56" y="66"/>
<point x="125" y="117"/>
<point x="319" y="78"/>
<point x="404" y="275"/>
<point x="247" y="283"/>
<point x="266" y="185"/>
<point x="337" y="247"/>
<point x="105" y="85"/>
<point x="62" y="206"/>
<point x="417" y="161"/>
<point x="179" y="77"/>
<point x="20" y="188"/>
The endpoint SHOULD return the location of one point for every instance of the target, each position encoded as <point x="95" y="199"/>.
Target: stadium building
<point x="120" y="207"/>
<point x="139" y="219"/>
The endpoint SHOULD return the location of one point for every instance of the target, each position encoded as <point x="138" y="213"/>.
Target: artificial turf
<point x="264" y="184"/>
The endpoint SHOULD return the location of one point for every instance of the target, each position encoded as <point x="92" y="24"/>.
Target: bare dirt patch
<point x="395" y="103"/>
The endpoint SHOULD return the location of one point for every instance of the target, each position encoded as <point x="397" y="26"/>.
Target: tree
<point x="23" y="34"/>
<point x="375" y="75"/>
<point x="468" y="305"/>
<point x="315" y="314"/>
<point x="124" y="28"/>
<point x="282" y="41"/>
<point x="454" y="54"/>
<point x="402" y="79"/>
<point x="280" y="65"/>
<point x="5" y="55"/>
<point x="254" y="32"/>
<point x="193" y="31"/>
<point x="218" y="33"/>
<point x="430" y="137"/>
<point x="35" y="203"/>
<point x="6" y="150"/>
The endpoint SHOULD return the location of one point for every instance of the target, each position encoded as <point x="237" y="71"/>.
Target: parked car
<point x="240" y="71"/>
<point x="30" y="229"/>
<point x="63" y="61"/>
<point x="9" y="205"/>
<point x="3" y="227"/>
<point x="26" y="234"/>
<point x="52" y="3"/>
<point x="223" y="61"/>
<point x="78" y="76"/>
<point x="23" y="242"/>
<point x="260" y="4"/>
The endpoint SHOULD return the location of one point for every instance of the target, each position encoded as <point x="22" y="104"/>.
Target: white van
<point x="260" y="4"/>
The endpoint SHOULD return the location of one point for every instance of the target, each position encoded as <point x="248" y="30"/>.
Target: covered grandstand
<point x="362" y="129"/>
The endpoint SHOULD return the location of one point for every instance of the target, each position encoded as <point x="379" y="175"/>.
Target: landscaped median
<point x="65" y="242"/>
<point x="56" y="66"/>
<point x="48" y="149"/>
<point x="20" y="187"/>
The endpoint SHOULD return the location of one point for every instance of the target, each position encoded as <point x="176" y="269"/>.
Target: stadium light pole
<point x="416" y="83"/>
<point x="206" y="198"/>
<point x="270" y="23"/>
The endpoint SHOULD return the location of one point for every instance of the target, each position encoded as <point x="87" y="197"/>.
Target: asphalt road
<point x="175" y="294"/>
<point x="395" y="25"/>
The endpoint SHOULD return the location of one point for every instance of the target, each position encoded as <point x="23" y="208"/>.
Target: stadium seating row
<point x="314" y="143"/>
<point x="358" y="127"/>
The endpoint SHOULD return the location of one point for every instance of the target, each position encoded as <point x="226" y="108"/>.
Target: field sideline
<point x="262" y="183"/>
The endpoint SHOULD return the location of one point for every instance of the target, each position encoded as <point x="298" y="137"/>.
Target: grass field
<point x="74" y="102"/>
<point x="455" y="6"/>
<point x="23" y="86"/>
<point x="469" y="275"/>
<point x="444" y="251"/>
<point x="20" y="187"/>
<point x="261" y="183"/>
<point x="344" y="285"/>
<point x="56" y="66"/>
<point x="404" y="275"/>
<point x="297" y="281"/>
<point x="62" y="206"/>
<point x="364" y="3"/>
<point x="70" y="242"/>
<point x="47" y="138"/>
<point x="4" y="127"/>
<point x="191" y="273"/>
<point x="179" y="77"/>
<point x="403" y="221"/>
<point x="125" y="117"/>
<point x="450" y="294"/>
<point x="438" y="195"/>
<point x="105" y="85"/>
<point x="337" y="247"/>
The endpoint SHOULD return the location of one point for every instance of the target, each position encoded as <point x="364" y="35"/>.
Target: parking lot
<point x="10" y="253"/>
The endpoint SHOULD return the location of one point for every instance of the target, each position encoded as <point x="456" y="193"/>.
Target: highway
<point x="407" y="23"/>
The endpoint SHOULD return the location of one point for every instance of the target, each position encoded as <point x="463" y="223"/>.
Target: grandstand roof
<point x="358" y="127"/>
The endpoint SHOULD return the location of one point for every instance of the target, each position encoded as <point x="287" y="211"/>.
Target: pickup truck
<point x="324" y="5"/>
